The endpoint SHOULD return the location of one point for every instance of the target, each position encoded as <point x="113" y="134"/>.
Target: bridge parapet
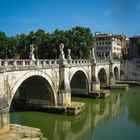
<point x="106" y="61"/>
<point x="79" y="62"/>
<point x="12" y="65"/>
<point x="102" y="61"/>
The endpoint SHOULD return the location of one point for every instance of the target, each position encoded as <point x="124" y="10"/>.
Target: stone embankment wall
<point x="19" y="132"/>
<point x="130" y="71"/>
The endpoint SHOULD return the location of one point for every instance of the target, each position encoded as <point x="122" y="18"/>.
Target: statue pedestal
<point x="61" y="56"/>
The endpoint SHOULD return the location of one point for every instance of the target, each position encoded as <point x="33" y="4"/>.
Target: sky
<point x="107" y="16"/>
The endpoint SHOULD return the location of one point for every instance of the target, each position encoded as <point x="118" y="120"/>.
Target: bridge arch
<point x="79" y="81"/>
<point x="35" y="76"/>
<point x="102" y="76"/>
<point x="116" y="73"/>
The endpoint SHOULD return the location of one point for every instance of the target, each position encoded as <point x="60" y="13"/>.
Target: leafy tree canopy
<point x="78" y="39"/>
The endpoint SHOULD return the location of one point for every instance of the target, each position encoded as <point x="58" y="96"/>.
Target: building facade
<point x="133" y="49"/>
<point x="106" y="43"/>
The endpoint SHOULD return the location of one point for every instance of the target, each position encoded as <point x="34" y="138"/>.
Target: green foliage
<point x="3" y="42"/>
<point x="78" y="39"/>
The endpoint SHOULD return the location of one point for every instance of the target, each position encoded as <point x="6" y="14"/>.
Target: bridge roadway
<point x="49" y="82"/>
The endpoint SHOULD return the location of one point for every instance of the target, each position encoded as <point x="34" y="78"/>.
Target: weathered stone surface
<point x="57" y="73"/>
<point x="19" y="132"/>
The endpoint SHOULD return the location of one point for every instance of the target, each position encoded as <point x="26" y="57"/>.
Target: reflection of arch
<point x="78" y="124"/>
<point x="102" y="76"/>
<point x="79" y="80"/>
<point x="116" y="73"/>
<point x="22" y="79"/>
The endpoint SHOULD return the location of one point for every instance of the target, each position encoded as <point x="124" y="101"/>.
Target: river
<point x="114" y="118"/>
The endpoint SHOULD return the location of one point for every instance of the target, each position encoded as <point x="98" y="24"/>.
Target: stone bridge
<point x="50" y="82"/>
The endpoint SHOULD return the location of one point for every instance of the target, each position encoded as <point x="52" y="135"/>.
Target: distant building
<point x="133" y="47"/>
<point x="106" y="43"/>
<point x="124" y="44"/>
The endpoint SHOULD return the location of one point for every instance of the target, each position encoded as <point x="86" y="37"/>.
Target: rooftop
<point x="99" y="34"/>
<point x="135" y="37"/>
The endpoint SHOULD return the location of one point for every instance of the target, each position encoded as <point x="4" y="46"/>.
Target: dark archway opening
<point x="102" y="77"/>
<point x="34" y="92"/>
<point x="116" y="73"/>
<point x="79" y="83"/>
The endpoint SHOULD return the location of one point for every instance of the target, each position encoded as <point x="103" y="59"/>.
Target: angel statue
<point x="61" y="46"/>
<point x="31" y="56"/>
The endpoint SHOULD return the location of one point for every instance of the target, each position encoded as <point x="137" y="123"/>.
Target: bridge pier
<point x="64" y="97"/>
<point x="64" y="92"/>
<point x="4" y="114"/>
<point x="95" y="84"/>
<point x="111" y="75"/>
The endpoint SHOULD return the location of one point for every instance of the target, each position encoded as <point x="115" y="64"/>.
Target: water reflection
<point x="98" y="115"/>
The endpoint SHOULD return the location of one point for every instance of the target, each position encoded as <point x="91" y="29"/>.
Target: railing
<point x="79" y="62"/>
<point x="11" y="65"/>
<point x="25" y="64"/>
<point x="107" y="61"/>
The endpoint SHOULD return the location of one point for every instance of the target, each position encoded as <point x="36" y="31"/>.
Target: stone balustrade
<point x="25" y="64"/>
<point x="12" y="65"/>
<point x="102" y="61"/>
<point x="79" y="62"/>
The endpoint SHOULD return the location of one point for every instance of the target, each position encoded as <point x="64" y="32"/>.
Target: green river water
<point x="114" y="118"/>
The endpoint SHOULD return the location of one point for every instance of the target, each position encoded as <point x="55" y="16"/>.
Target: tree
<point x="22" y="48"/>
<point x="3" y="42"/>
<point x="78" y="39"/>
<point x="81" y="41"/>
<point x="42" y="42"/>
<point x="59" y="36"/>
<point x="11" y="47"/>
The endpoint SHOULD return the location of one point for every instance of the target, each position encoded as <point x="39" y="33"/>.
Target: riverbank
<point x="20" y="132"/>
